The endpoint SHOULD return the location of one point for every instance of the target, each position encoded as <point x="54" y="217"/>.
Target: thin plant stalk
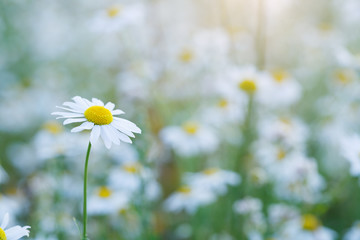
<point x="261" y="36"/>
<point x="84" y="235"/>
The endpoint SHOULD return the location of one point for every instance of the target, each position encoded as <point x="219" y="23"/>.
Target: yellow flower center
<point x="343" y="76"/>
<point x="223" y="103"/>
<point x="2" y="234"/>
<point x="191" y="128"/>
<point x="325" y="26"/>
<point x="186" y="56"/>
<point x="53" y="127"/>
<point x="104" y="192"/>
<point x="113" y="11"/>
<point x="281" y="154"/>
<point x="133" y="168"/>
<point x="210" y="171"/>
<point x="310" y="222"/>
<point x="98" y="115"/>
<point x="248" y="85"/>
<point x="279" y="75"/>
<point x="122" y="211"/>
<point x="184" y="190"/>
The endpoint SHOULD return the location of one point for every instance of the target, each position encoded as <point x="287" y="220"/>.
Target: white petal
<point x="70" y="110"/>
<point x="97" y="102"/>
<point x="74" y="120"/>
<point x="123" y="137"/>
<point x="81" y="101"/>
<point x="83" y="126"/>
<point x="105" y="138"/>
<point x="121" y="128"/>
<point x="117" y="112"/>
<point x="111" y="133"/>
<point x="110" y="106"/>
<point x="17" y="232"/>
<point x="5" y="221"/>
<point x="67" y="114"/>
<point x="130" y="125"/>
<point x="95" y="133"/>
<point x="76" y="106"/>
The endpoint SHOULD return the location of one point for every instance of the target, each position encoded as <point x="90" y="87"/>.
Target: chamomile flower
<point x="190" y="139"/>
<point x="12" y="233"/>
<point x="107" y="201"/>
<point x="351" y="151"/>
<point x="189" y="199"/>
<point x="354" y="232"/>
<point x="100" y="119"/>
<point x="306" y="227"/>
<point x="214" y="179"/>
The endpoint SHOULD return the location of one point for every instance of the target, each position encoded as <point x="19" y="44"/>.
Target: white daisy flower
<point x="100" y="119"/>
<point x="190" y="139"/>
<point x="189" y="199"/>
<point x="12" y="233"/>
<point x="214" y="179"/>
<point x="354" y="232"/>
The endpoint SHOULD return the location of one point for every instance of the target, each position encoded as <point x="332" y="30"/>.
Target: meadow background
<point x="249" y="110"/>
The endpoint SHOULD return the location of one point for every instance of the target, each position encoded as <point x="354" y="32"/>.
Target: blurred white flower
<point x="12" y="204"/>
<point x="247" y="205"/>
<point x="298" y="179"/>
<point x="106" y="201"/>
<point x="131" y="177"/>
<point x="306" y="227"/>
<point x="190" y="139"/>
<point x="189" y="199"/>
<point x="13" y="233"/>
<point x="278" y="89"/>
<point x="354" y="232"/>
<point x="213" y="179"/>
<point x="350" y="149"/>
<point x="225" y="111"/>
<point x="98" y="118"/>
<point x="281" y="213"/>
<point x="3" y="175"/>
<point x="116" y="17"/>
<point x="289" y="131"/>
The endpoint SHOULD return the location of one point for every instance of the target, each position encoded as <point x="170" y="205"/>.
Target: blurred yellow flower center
<point x="223" y="103"/>
<point x="191" y="128"/>
<point x="325" y="26"/>
<point x="184" y="190"/>
<point x="131" y="168"/>
<point x="285" y="121"/>
<point x="98" y="115"/>
<point x="53" y="127"/>
<point x="113" y="11"/>
<point x="343" y="76"/>
<point x="248" y="85"/>
<point x="310" y="222"/>
<point x="122" y="211"/>
<point x="186" y="56"/>
<point x="104" y="192"/>
<point x="279" y="75"/>
<point x="281" y="154"/>
<point x="210" y="171"/>
<point x="2" y="234"/>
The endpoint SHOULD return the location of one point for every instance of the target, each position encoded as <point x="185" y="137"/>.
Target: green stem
<point x="260" y="36"/>
<point x="84" y="236"/>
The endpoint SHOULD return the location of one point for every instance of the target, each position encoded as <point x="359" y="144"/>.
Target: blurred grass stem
<point x="260" y="36"/>
<point x="84" y="235"/>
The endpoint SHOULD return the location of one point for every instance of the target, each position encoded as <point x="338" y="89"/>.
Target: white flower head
<point x="190" y="139"/>
<point x="189" y="199"/>
<point x="13" y="233"/>
<point x="100" y="119"/>
<point x="214" y="179"/>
